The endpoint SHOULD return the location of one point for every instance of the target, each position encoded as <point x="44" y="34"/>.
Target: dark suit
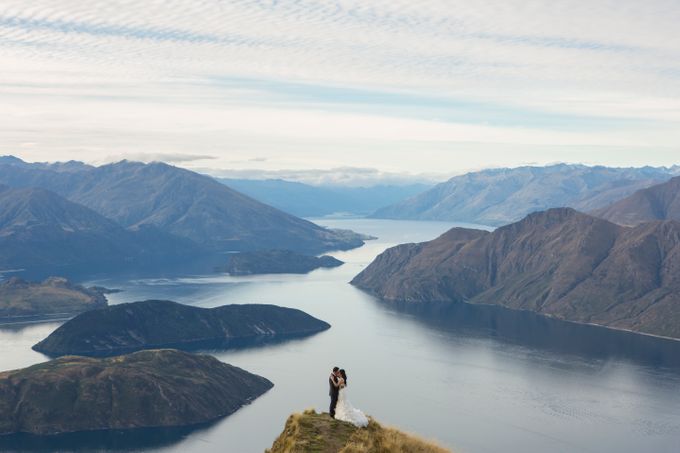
<point x="333" y="393"/>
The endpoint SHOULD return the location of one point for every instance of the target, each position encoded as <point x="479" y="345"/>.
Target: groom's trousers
<point x="334" y="402"/>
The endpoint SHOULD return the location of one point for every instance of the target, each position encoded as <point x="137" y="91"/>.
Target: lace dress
<point x="347" y="413"/>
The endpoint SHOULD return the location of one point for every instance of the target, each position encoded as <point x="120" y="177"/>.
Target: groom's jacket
<point x="333" y="386"/>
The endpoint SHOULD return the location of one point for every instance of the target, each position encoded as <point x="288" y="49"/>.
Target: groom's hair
<point x="335" y="369"/>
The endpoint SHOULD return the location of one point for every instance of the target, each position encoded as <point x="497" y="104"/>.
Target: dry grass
<point x="310" y="432"/>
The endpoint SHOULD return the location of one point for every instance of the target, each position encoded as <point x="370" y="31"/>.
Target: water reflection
<point x="108" y="440"/>
<point x="542" y="333"/>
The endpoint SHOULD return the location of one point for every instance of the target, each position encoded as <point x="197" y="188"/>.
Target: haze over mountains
<point x="306" y="200"/>
<point x="559" y="263"/>
<point x="500" y="196"/>
<point x="105" y="211"/>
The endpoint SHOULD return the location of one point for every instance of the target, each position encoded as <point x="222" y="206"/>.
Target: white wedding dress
<point x="347" y="413"/>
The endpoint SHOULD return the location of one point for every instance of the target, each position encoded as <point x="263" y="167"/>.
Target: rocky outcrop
<point x="159" y="324"/>
<point x="312" y="432"/>
<point x="276" y="262"/>
<point x="146" y="389"/>
<point x="558" y="263"/>
<point x="660" y="202"/>
<point x="53" y="298"/>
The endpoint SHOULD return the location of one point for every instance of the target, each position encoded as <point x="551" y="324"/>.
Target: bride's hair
<point x="344" y="376"/>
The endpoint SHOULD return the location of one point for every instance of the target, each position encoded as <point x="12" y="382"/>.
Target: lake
<point x="476" y="379"/>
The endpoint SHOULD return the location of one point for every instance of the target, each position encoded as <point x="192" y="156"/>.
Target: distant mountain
<point x="179" y="202"/>
<point x="147" y="389"/>
<point x="500" y="196"/>
<point x="155" y="324"/>
<point x="660" y="202"/>
<point x="558" y="263"/>
<point x="276" y="262"/>
<point x="318" y="201"/>
<point x="40" y="229"/>
<point x="55" y="298"/>
<point x="312" y="432"/>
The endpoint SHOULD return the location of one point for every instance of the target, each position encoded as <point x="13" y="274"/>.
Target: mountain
<point x="305" y="200"/>
<point x="40" y="229"/>
<point x="312" y="432"/>
<point x="558" y="263"/>
<point x="160" y="324"/>
<point x="660" y="202"/>
<point x="276" y="262"/>
<point x="55" y="297"/>
<point x="146" y="389"/>
<point x="500" y="196"/>
<point x="179" y="202"/>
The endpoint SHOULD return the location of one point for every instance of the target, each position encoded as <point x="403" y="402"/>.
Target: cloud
<point x="391" y="84"/>
<point x="341" y="176"/>
<point x="176" y="158"/>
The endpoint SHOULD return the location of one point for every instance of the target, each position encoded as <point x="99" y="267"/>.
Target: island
<point x="153" y="324"/>
<point x="54" y="298"/>
<point x="558" y="263"/>
<point x="276" y="262"/>
<point x="312" y="432"/>
<point x="157" y="388"/>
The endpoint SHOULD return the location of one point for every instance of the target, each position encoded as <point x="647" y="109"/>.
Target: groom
<point x="334" y="385"/>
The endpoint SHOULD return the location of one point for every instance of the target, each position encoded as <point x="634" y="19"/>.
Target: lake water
<point x="474" y="379"/>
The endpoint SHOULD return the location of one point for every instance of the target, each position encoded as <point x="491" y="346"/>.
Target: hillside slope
<point x="40" y="229"/>
<point x="659" y="202"/>
<point x="558" y="263"/>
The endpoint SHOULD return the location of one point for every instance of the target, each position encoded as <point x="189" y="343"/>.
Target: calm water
<point x="476" y="380"/>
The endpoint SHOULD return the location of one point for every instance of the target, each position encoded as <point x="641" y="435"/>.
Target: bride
<point x="344" y="410"/>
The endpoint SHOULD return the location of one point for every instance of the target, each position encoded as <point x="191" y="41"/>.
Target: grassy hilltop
<point x="310" y="432"/>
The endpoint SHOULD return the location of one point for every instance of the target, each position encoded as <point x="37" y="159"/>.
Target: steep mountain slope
<point x="159" y="324"/>
<point x="146" y="389"/>
<point x="500" y="196"/>
<point x="179" y="202"/>
<point x="38" y="228"/>
<point x="558" y="263"/>
<point x="660" y="202"/>
<point x="305" y="200"/>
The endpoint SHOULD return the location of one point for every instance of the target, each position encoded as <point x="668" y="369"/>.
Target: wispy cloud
<point x="397" y="85"/>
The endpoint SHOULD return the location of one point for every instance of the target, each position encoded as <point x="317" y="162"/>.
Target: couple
<point x="341" y="408"/>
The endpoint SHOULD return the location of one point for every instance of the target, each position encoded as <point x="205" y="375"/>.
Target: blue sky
<point x="374" y="90"/>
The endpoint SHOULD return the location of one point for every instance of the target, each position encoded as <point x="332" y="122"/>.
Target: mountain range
<point x="500" y="196"/>
<point x="306" y="200"/>
<point x="558" y="263"/>
<point x="73" y="213"/>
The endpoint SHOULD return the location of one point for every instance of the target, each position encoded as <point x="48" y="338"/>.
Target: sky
<point x="365" y="90"/>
